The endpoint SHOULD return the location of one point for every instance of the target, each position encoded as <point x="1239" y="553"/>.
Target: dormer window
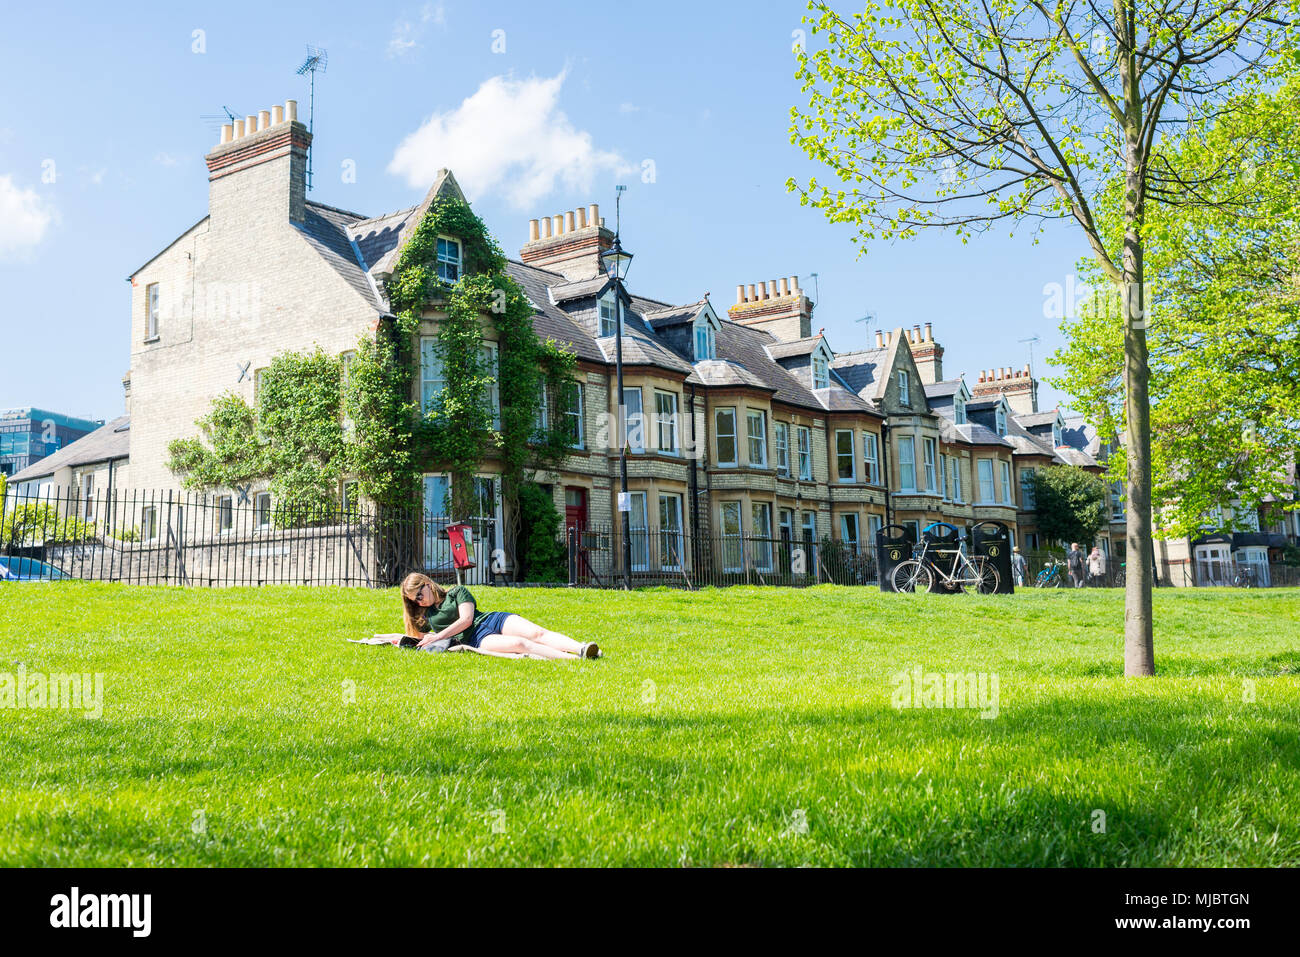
<point x="608" y="314"/>
<point x="959" y="409"/>
<point x="705" y="341"/>
<point x="1001" y="421"/>
<point x="904" y="391"/>
<point x="448" y="260"/>
<point x="821" y="375"/>
<point x="1056" y="434"/>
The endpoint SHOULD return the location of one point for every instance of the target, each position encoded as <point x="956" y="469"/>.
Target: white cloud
<point x="407" y="33"/>
<point x="24" y="218"/>
<point x="629" y="108"/>
<point x="165" y="159"/>
<point x="510" y="136"/>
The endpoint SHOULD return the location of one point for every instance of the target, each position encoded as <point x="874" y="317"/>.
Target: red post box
<point x="461" y="536"/>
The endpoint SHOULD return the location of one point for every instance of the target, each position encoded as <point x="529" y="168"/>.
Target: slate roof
<point x="858" y="369"/>
<point x="673" y="315"/>
<point x="794" y="347"/>
<point x="550" y="321"/>
<point x="1035" y="419"/>
<point x="111" y="440"/>
<point x="326" y="230"/>
<point x="727" y="372"/>
<point x="940" y="390"/>
<point x="566" y="290"/>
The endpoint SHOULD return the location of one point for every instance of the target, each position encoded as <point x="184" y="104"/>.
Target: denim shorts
<point x="491" y="624"/>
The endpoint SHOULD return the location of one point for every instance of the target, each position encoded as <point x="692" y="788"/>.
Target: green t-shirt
<point x="445" y="614"/>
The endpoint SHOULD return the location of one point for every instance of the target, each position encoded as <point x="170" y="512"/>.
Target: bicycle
<point x="1051" y="576"/>
<point x="1245" y="578"/>
<point x="918" y="573"/>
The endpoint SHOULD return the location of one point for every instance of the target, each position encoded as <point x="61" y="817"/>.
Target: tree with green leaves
<point x="978" y="115"/>
<point x="1223" y="326"/>
<point x="1071" y="504"/>
<point x="294" y="439"/>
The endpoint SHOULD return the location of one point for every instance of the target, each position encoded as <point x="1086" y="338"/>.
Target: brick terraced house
<point x="796" y="440"/>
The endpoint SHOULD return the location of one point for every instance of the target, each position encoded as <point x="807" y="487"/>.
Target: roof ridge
<point x="336" y="209"/>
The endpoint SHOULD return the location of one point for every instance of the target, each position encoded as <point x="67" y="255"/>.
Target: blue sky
<point x="109" y="99"/>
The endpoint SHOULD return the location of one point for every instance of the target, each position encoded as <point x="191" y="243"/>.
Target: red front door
<point x="575" y="507"/>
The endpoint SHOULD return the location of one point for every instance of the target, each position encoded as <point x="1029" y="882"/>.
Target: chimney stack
<point x="260" y="161"/>
<point x="1018" y="387"/>
<point x="775" y="306"/>
<point x="569" y="243"/>
<point x="880" y="339"/>
<point x="927" y="354"/>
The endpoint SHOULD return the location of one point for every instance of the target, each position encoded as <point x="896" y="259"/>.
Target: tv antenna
<point x="317" y="60"/>
<point x="618" y="208"/>
<point x="1031" y="340"/>
<point x="817" y="286"/>
<point x="217" y="120"/>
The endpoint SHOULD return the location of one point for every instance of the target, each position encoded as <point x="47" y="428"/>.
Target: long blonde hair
<point x="414" y="616"/>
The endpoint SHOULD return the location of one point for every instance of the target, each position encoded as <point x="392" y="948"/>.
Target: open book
<point x="377" y="640"/>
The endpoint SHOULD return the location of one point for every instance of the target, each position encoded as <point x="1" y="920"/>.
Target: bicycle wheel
<point x="912" y="575"/>
<point x="986" y="580"/>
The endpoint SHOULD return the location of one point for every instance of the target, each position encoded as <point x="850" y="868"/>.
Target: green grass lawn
<point x="744" y="726"/>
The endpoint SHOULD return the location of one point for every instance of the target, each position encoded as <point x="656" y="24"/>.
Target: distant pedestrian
<point x="1074" y="563"/>
<point x="1096" y="567"/>
<point x="1019" y="567"/>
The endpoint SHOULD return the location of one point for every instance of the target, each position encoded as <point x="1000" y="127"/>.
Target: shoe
<point x="590" y="650"/>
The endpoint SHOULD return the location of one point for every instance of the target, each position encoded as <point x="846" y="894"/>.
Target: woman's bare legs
<point x="521" y="627"/>
<point x="514" y="644"/>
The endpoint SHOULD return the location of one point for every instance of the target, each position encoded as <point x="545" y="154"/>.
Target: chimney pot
<point x="752" y="294"/>
<point x="772" y="286"/>
<point x="250" y="124"/>
<point x="880" y="339"/>
<point x="546" y="227"/>
<point x="582" y="217"/>
<point x="239" y="128"/>
<point x="534" y="231"/>
<point x="277" y="115"/>
<point x="559" y="224"/>
<point x="291" y="110"/>
<point x="264" y="120"/>
<point x="1027" y="372"/>
<point x="569" y="224"/>
<point x="227" y="132"/>
<point x="794" y="284"/>
<point x="929" y="336"/>
<point x="740" y="293"/>
<point x="593" y="214"/>
<point x="785" y="286"/>
<point x="762" y="290"/>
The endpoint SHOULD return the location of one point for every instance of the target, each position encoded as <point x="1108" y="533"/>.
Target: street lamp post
<point x="616" y="263"/>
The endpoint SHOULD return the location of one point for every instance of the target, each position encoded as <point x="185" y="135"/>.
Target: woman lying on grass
<point x="433" y="613"/>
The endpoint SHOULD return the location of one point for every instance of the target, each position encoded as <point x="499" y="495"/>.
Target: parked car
<point x="28" y="570"/>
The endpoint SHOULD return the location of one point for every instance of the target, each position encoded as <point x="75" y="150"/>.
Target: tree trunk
<point x="1139" y="650"/>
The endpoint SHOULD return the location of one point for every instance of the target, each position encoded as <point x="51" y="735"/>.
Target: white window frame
<point x="579" y="432"/>
<point x="762" y="550"/>
<point x="731" y="540"/>
<point x="639" y="534"/>
<point x="710" y="340"/>
<point x="262" y="510"/>
<point x="151" y="311"/>
<point x="906" y="462"/>
<point x="666" y="420"/>
<point x="225" y="514"/>
<point x="610" y="299"/>
<point x="856" y="538"/>
<point x="956" y="480"/>
<point x="1000" y="420"/>
<point x="904" y="388"/>
<point x="492" y="354"/>
<point x="929" y="451"/>
<point x="719" y="434"/>
<point x="757" y="453"/>
<point x="959" y="410"/>
<point x="435" y="364"/>
<point x="991" y="497"/>
<point x="841" y="455"/>
<point x="447" y="261"/>
<point x="821" y="374"/>
<point x="1007" y="497"/>
<point x="630" y="427"/>
<point x="781" y="438"/>
<point x="943" y="477"/>
<point x="870" y="458"/>
<point x="149" y="523"/>
<point x="668" y="532"/>
<point x="804" y="438"/>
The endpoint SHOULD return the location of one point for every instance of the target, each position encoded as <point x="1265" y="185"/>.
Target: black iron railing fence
<point x="183" y="538"/>
<point x="673" y="556"/>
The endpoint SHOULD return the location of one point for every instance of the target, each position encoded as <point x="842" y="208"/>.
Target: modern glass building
<point x="29" y="435"/>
